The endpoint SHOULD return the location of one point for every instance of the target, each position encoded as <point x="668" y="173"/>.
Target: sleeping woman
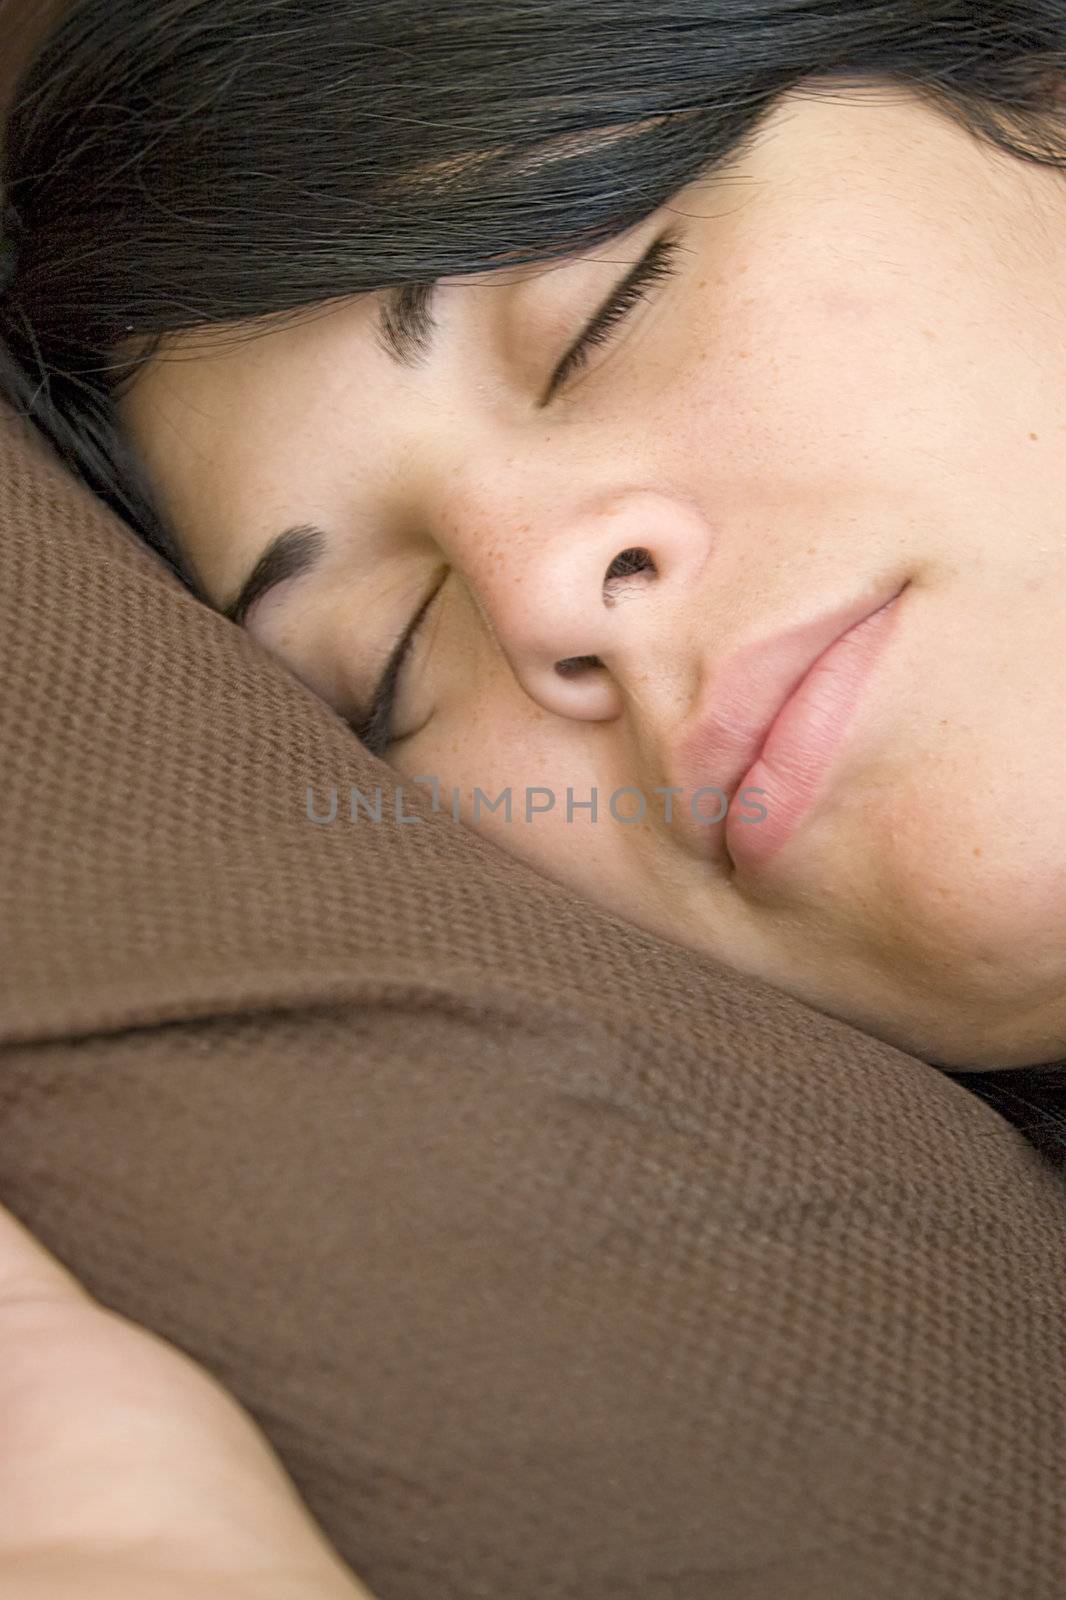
<point x="657" y="408"/>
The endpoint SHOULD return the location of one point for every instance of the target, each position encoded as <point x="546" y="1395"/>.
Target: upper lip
<point x="721" y="738"/>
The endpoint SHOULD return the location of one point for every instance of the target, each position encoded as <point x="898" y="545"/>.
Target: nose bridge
<point x="539" y="565"/>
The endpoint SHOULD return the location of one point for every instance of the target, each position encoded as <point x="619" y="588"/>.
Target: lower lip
<point x="805" y="736"/>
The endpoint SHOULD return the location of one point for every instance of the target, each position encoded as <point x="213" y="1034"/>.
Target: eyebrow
<point x="290" y="554"/>
<point x="406" y="324"/>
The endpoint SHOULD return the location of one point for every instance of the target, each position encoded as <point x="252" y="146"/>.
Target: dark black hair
<point x="189" y="164"/>
<point x="1032" y="1098"/>
<point x="199" y="163"/>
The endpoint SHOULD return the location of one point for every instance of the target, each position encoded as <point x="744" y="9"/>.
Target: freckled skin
<point x="857" y="379"/>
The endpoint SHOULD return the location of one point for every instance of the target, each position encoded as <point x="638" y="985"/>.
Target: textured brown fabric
<point x="556" y="1263"/>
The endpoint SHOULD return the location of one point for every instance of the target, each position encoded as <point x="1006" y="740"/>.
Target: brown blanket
<point x="557" y="1263"/>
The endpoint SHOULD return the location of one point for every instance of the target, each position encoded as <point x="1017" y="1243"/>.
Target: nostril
<point x="625" y="565"/>
<point x="573" y="666"/>
<point x="629" y="562"/>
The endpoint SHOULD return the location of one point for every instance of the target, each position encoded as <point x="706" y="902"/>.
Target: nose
<point x="597" y="610"/>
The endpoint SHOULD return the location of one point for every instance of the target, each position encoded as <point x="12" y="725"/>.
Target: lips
<point x="723" y="737"/>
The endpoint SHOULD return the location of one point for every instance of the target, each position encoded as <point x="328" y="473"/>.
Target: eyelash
<point x="658" y="265"/>
<point x="375" y="732"/>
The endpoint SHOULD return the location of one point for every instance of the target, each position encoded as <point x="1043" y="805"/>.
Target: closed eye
<point x="375" y="729"/>
<point x="658" y="263"/>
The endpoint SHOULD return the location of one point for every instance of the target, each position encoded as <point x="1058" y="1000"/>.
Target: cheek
<point x="522" y="783"/>
<point x="800" y="379"/>
<point x="967" y="895"/>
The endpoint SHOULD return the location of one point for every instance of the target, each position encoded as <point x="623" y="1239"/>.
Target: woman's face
<point x="854" y="388"/>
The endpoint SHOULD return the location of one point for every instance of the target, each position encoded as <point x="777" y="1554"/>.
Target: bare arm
<point x="82" y="1574"/>
<point x="126" y="1470"/>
